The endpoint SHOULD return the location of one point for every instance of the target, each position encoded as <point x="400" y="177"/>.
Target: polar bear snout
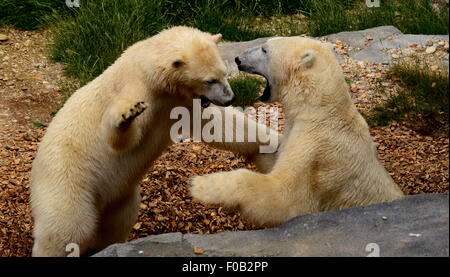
<point x="253" y="60"/>
<point x="237" y="61"/>
<point x="220" y="94"/>
<point x="244" y="67"/>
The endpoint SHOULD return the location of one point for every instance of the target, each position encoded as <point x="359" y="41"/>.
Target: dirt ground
<point x="31" y="91"/>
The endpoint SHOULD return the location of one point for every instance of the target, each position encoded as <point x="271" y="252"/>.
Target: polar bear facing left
<point x="84" y="180"/>
<point x="327" y="159"/>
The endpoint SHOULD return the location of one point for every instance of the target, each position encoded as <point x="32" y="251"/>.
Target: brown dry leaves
<point x="419" y="164"/>
<point x="166" y="205"/>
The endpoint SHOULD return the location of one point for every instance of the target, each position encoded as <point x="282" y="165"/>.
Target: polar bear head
<point x="188" y="63"/>
<point x="285" y="62"/>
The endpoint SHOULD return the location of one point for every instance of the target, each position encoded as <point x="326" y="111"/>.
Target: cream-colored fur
<point x="327" y="159"/>
<point x="84" y="184"/>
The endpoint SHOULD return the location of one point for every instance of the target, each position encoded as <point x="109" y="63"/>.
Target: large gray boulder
<point x="413" y="226"/>
<point x="382" y="39"/>
<point x="376" y="50"/>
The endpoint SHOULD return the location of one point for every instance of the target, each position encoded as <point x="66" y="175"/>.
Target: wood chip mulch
<point x="418" y="163"/>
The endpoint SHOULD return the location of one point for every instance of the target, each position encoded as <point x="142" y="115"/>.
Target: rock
<point x="384" y="38"/>
<point x="230" y="50"/>
<point x="408" y="52"/>
<point x="370" y="45"/>
<point x="358" y="38"/>
<point x="3" y="37"/>
<point x="413" y="226"/>
<point x="430" y="50"/>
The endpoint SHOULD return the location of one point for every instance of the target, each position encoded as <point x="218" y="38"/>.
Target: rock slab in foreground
<point x="413" y="226"/>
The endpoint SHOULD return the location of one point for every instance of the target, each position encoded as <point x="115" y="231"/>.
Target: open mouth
<point x="204" y="102"/>
<point x="265" y="97"/>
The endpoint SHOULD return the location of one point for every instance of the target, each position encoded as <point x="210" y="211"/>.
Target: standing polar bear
<point x="84" y="181"/>
<point x="327" y="159"/>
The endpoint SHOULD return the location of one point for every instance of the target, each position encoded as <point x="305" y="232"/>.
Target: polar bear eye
<point x="264" y="50"/>
<point x="212" y="81"/>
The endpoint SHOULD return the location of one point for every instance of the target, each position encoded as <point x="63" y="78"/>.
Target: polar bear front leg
<point x="216" y="188"/>
<point x="232" y="188"/>
<point x="259" y="197"/>
<point x="120" y="126"/>
<point x="241" y="134"/>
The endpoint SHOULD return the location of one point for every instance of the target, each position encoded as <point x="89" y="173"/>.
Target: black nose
<point x="237" y="60"/>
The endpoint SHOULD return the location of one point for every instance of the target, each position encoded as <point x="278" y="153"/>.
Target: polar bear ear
<point x="217" y="38"/>
<point x="307" y="58"/>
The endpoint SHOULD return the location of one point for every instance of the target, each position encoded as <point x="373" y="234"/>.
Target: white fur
<point x="84" y="181"/>
<point x="327" y="159"/>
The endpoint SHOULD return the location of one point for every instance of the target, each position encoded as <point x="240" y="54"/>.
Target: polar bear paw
<point x="207" y="189"/>
<point x="132" y="112"/>
<point x="217" y="188"/>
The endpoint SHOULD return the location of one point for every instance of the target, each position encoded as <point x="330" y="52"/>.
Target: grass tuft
<point x="422" y="100"/>
<point x="246" y="89"/>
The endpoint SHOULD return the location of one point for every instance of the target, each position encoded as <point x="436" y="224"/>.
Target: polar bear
<point x="84" y="180"/>
<point x="327" y="159"/>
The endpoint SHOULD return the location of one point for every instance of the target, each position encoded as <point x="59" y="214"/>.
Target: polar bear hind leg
<point x="54" y="234"/>
<point x="117" y="221"/>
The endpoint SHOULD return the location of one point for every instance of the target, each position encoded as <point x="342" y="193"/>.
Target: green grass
<point x="90" y="38"/>
<point x="246" y="90"/>
<point x="423" y="99"/>
<point x="100" y="31"/>
<point x="28" y="14"/>
<point x="410" y="17"/>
